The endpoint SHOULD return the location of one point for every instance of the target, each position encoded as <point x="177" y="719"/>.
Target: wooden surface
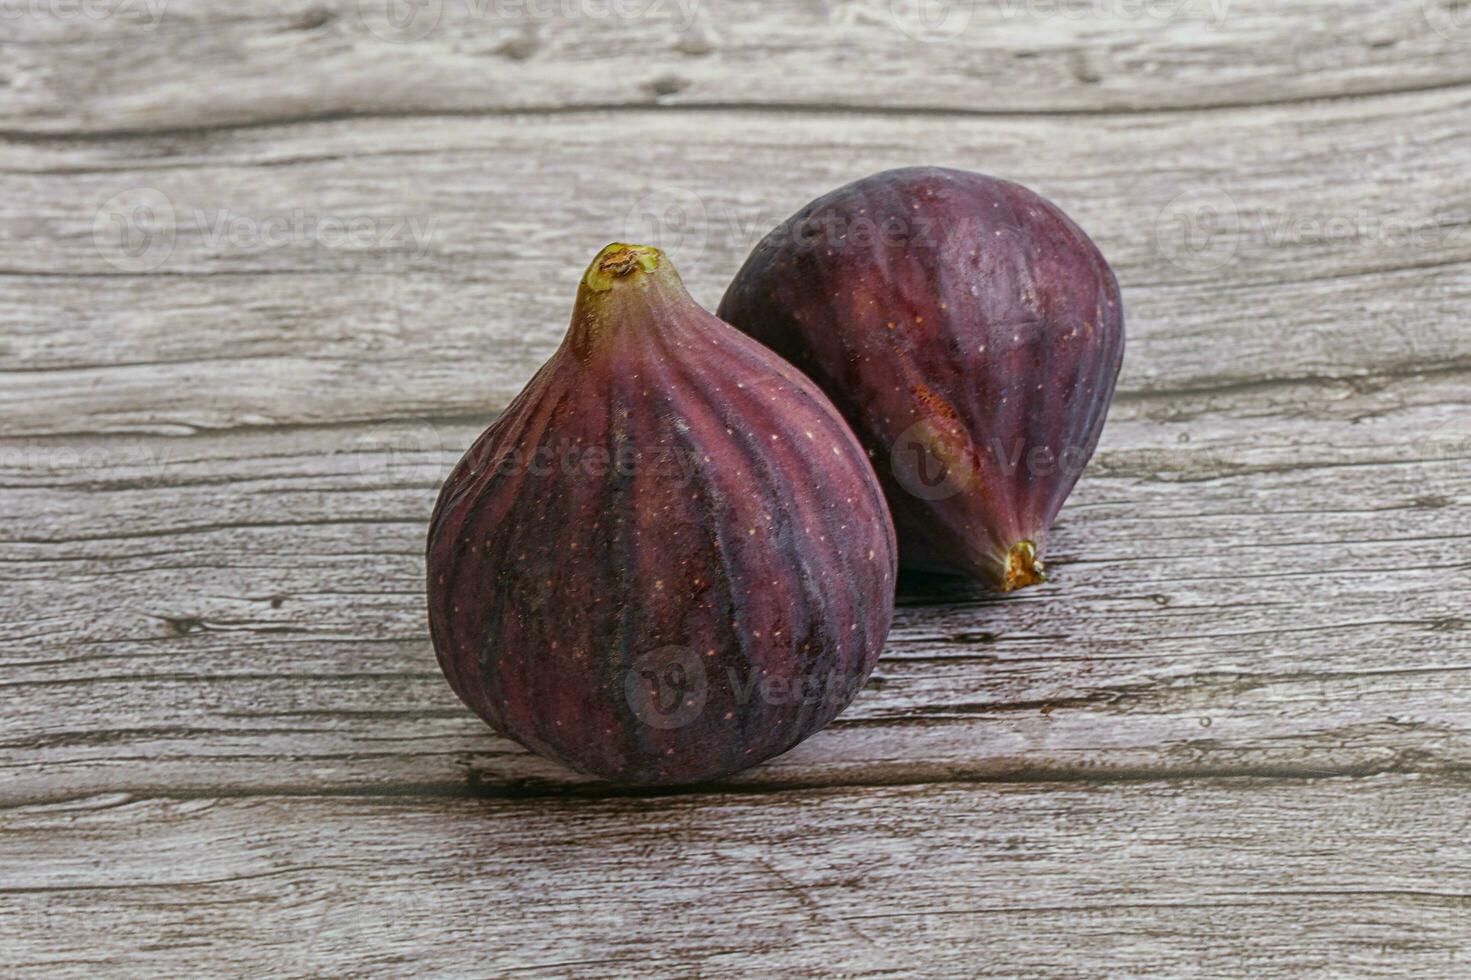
<point x="1233" y="735"/>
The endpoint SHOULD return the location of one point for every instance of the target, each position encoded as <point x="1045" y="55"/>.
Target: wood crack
<point x="735" y="107"/>
<point x="1406" y="763"/>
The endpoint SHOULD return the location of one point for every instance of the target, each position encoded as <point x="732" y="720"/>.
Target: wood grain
<point x="266" y="271"/>
<point x="1220" y="606"/>
<point x="332" y="59"/>
<point x="1344" y="254"/>
<point x="1277" y="878"/>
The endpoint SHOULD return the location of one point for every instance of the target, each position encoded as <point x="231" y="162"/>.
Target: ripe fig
<point x="969" y="332"/>
<point x="669" y="559"/>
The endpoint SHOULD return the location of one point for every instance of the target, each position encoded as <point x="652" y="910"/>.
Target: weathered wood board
<point x="265" y="273"/>
<point x="140" y="71"/>
<point x="1204" y="878"/>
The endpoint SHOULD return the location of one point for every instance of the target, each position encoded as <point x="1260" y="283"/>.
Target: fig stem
<point x="625" y="284"/>
<point x="1023" y="567"/>
<point x="618" y="261"/>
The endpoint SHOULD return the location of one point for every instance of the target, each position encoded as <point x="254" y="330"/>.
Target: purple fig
<point x="969" y="332"/>
<point x="669" y="559"/>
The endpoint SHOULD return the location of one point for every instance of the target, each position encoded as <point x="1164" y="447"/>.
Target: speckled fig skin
<point x="969" y="332"/>
<point x="669" y="559"/>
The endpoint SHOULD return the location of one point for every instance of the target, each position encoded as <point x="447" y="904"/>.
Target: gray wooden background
<point x="266" y="268"/>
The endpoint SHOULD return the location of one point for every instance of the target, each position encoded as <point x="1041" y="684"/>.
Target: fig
<point x="669" y="558"/>
<point x="969" y="332"/>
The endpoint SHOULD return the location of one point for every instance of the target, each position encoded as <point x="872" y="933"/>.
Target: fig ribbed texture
<point x="969" y="332"/>
<point x="669" y="558"/>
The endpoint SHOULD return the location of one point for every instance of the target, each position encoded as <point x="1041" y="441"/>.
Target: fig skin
<point x="669" y="558"/>
<point x="969" y="332"/>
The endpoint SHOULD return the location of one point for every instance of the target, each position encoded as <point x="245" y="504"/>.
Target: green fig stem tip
<point x="625" y="285"/>
<point x="618" y="261"/>
<point x="1023" y="567"/>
